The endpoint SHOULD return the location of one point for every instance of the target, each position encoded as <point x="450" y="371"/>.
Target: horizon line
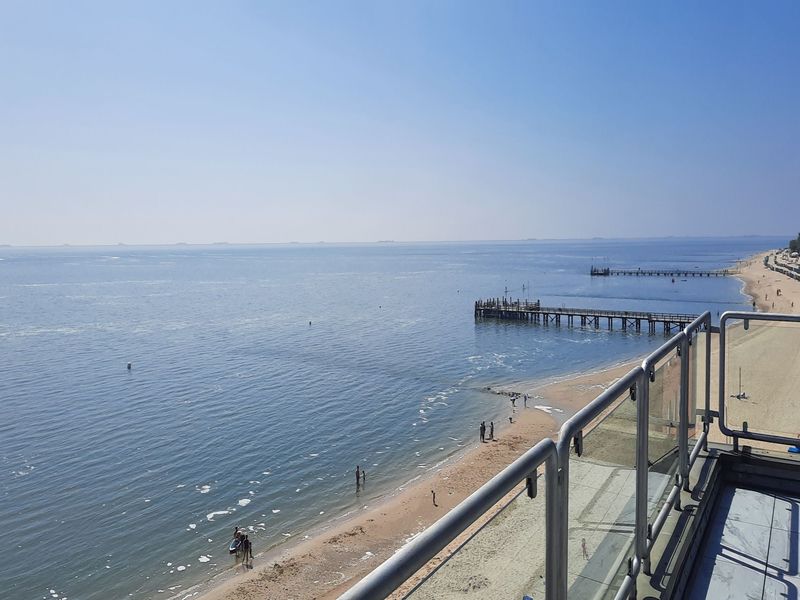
<point x="387" y="242"/>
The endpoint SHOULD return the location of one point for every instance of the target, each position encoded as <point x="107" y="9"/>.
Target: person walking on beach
<point x="483" y="431"/>
<point x="525" y="398"/>
<point x="358" y="476"/>
<point x="491" y="430"/>
<point x="434" y="498"/>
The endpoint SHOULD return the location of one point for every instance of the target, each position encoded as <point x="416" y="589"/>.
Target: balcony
<point x="675" y="482"/>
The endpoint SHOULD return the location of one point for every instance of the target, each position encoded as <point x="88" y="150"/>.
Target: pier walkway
<point x="499" y="308"/>
<point x="606" y="272"/>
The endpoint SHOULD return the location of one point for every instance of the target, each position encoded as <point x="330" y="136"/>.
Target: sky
<point x="260" y="122"/>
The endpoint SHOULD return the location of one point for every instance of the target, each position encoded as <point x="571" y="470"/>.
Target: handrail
<point x="391" y="574"/>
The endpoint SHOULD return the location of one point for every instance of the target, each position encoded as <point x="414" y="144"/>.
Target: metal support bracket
<point x="578" y="441"/>
<point x="531" y="484"/>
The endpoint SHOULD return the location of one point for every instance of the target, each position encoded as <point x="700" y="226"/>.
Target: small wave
<point x="210" y="516"/>
<point x="244" y="501"/>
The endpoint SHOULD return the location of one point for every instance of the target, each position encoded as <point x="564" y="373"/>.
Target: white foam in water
<point x="265" y="472"/>
<point x="204" y="558"/>
<point x="297" y="490"/>
<point x="543" y="408"/>
<point x="181" y="568"/>
<point x="314" y="455"/>
<point x="192" y="525"/>
<point x="244" y="501"/>
<point x="276" y="511"/>
<point x="210" y="516"/>
<point x="203" y="489"/>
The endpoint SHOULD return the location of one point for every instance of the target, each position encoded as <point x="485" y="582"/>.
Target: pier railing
<point x="674" y="272"/>
<point x="611" y="479"/>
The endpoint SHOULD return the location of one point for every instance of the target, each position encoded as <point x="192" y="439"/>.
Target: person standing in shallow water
<point x="491" y="430"/>
<point x="248" y="548"/>
<point x="358" y="476"/>
<point x="483" y="431"/>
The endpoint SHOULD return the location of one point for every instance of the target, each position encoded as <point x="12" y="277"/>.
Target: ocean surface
<point x="261" y="375"/>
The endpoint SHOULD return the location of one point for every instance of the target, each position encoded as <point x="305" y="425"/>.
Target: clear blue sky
<point x="160" y="122"/>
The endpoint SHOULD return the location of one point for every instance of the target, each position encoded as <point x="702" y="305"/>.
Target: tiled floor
<point x="751" y="548"/>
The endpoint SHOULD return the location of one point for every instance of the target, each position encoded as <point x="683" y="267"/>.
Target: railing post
<point x="707" y="425"/>
<point x="683" y="425"/>
<point x="642" y="465"/>
<point x="562" y="533"/>
<point x="551" y="527"/>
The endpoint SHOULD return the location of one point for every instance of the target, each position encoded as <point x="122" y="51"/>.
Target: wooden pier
<point x="534" y="312"/>
<point x="606" y="272"/>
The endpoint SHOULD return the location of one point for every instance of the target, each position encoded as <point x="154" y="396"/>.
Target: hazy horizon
<point x="374" y="242"/>
<point x="354" y="122"/>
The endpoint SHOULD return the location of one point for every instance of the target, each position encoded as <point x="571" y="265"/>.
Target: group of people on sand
<point x="244" y="547"/>
<point x="513" y="396"/>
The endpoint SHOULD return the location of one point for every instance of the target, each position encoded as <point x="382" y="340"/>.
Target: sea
<point x="260" y="376"/>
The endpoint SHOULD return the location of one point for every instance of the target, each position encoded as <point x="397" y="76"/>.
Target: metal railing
<point x="737" y="434"/>
<point x="557" y="457"/>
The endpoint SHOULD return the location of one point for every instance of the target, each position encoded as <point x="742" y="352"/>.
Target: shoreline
<point x="334" y="558"/>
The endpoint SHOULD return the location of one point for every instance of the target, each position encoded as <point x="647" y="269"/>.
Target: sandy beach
<point x="331" y="561"/>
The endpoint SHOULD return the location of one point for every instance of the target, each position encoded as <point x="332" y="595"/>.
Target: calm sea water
<point x="261" y="376"/>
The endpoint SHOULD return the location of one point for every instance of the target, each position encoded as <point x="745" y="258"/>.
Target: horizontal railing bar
<point x="756" y="316"/>
<point x="661" y="518"/>
<point x="697" y="448"/>
<point x="764" y="437"/>
<point x="663" y="350"/>
<point x="591" y="411"/>
<point x="704" y="319"/>
<point x="394" y="571"/>
<point x="630" y="579"/>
